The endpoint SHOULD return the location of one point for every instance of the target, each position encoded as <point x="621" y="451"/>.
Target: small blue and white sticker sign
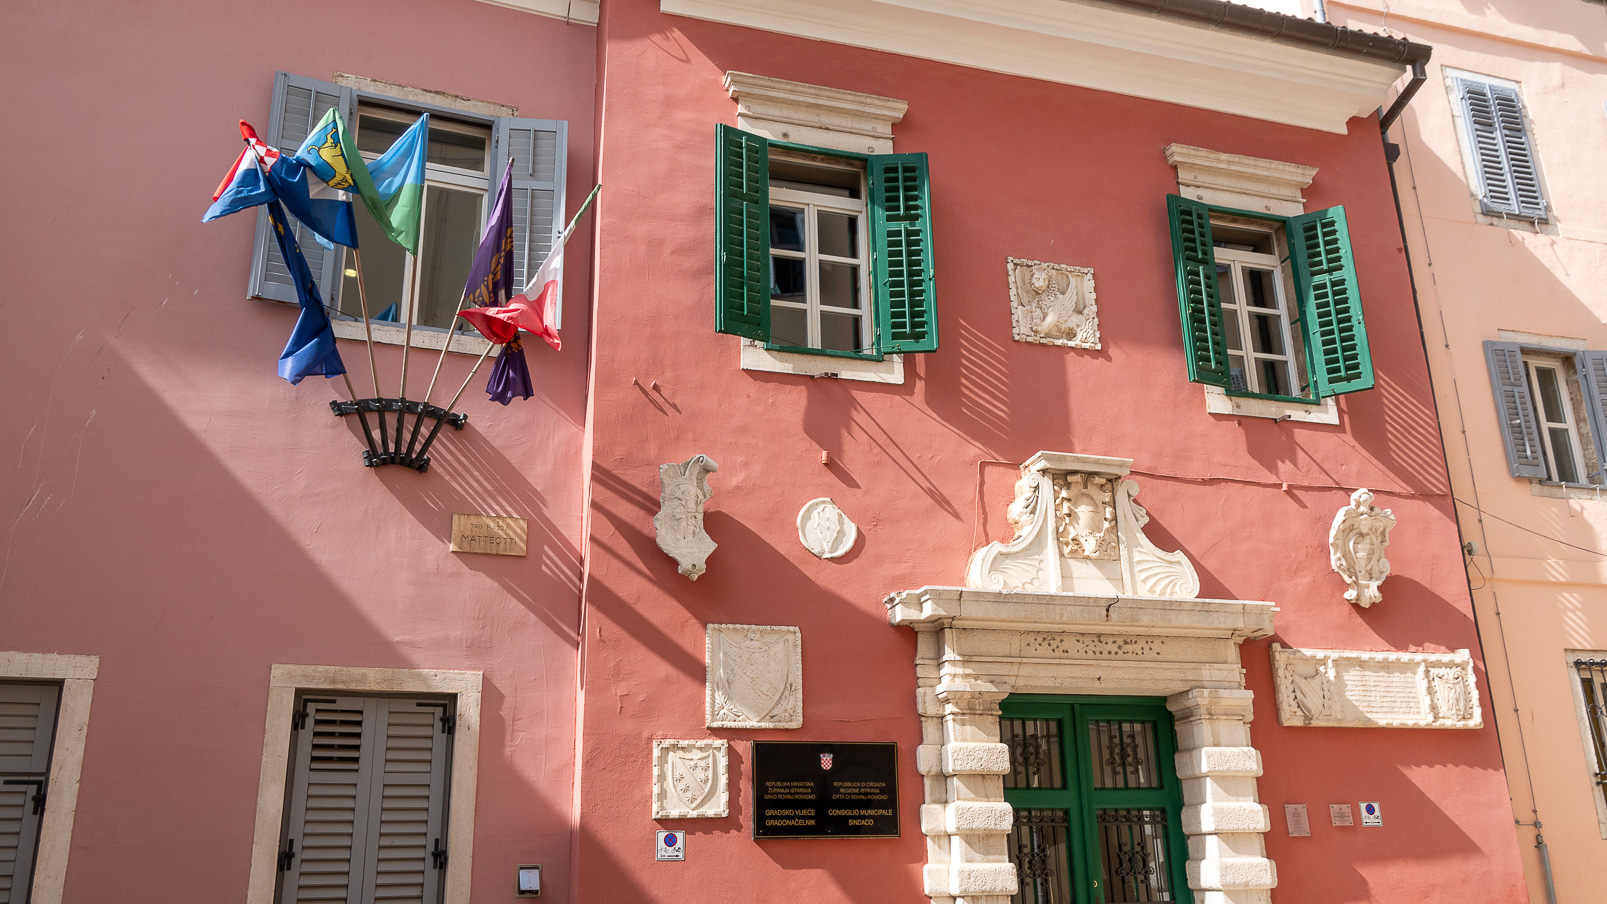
<point x="1370" y="814"/>
<point x="671" y="846"/>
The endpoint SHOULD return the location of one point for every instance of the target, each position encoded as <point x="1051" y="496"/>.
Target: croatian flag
<point x="261" y="174"/>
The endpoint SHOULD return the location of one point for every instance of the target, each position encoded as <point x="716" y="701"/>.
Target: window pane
<point x="1266" y="330"/>
<point x="1550" y="394"/>
<point x="384" y="272"/>
<point x="1562" y="447"/>
<point x="1236" y="374"/>
<point x="841" y="332"/>
<point x="789" y="326"/>
<point x="839" y="285"/>
<point x="1230" y="325"/>
<point x="1224" y="284"/>
<point x="457" y="149"/>
<point x="1275" y="377"/>
<point x="1133" y="855"/>
<point x="787" y="279"/>
<point x="839" y="234"/>
<point x="786" y="229"/>
<point x="1035" y="757"/>
<point x="1258" y="285"/>
<point x="1038" y="849"/>
<point x="1124" y="754"/>
<point x="375" y="134"/>
<point x="446" y="252"/>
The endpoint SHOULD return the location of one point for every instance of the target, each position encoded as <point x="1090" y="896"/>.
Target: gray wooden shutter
<point x="1520" y="433"/>
<point x="538" y="148"/>
<point x="407" y="804"/>
<point x="27" y="731"/>
<point x="1509" y="182"/>
<point x="1592" y="367"/>
<point x="298" y="104"/>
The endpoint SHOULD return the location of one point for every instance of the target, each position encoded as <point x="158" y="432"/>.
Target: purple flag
<point x="510" y="376"/>
<point x="491" y="278"/>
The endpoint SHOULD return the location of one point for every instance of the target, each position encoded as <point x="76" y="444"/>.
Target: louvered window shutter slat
<point x="538" y="148"/>
<point x="1325" y="278"/>
<point x="1592" y="367"/>
<point x="27" y="731"/>
<point x="1520" y="434"/>
<point x="1509" y="181"/>
<point x="1204" y="341"/>
<point x="327" y="814"/>
<point x="901" y="249"/>
<point x="407" y="804"/>
<point x="742" y="234"/>
<point x="298" y="104"/>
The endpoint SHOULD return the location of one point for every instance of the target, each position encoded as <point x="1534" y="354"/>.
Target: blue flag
<point x="311" y="349"/>
<point x="261" y="174"/>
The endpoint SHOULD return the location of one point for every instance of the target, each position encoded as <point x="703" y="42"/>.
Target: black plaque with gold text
<point x="825" y="789"/>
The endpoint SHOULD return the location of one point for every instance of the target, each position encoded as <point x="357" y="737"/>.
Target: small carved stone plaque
<point x="683" y="491"/>
<point x="1341" y="688"/>
<point x="1299" y="822"/>
<point x="825" y="530"/>
<point x="755" y="677"/>
<point x="1053" y="304"/>
<point x="498" y="535"/>
<point x="690" y="779"/>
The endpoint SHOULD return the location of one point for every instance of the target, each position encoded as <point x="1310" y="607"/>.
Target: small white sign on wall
<point x="1299" y="823"/>
<point x="1340" y="815"/>
<point x="1370" y="814"/>
<point x="671" y="846"/>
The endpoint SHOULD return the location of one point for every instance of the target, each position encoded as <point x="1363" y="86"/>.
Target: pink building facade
<point x="920" y="260"/>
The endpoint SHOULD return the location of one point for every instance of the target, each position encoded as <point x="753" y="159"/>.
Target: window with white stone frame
<point x="1549" y="404"/>
<point x="1591" y="670"/>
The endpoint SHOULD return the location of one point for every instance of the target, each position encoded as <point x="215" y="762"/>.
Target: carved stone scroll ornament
<point x="1342" y="688"/>
<point x="690" y="779"/>
<point x="824" y="530"/>
<point x="1356" y="543"/>
<point x="755" y="677"/>
<point x="683" y="490"/>
<point x="1053" y="304"/>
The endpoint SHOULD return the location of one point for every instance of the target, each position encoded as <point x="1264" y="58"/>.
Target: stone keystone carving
<point x="1078" y="530"/>
<point x="683" y="489"/>
<point x="755" y="677"/>
<point x="824" y="529"/>
<point x="1053" y="304"/>
<point x="689" y="779"/>
<point x="1356" y="543"/>
<point x="1343" y="688"/>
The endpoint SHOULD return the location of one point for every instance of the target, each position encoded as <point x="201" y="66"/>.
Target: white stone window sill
<point x="1217" y="401"/>
<point x="394" y="333"/>
<point x="756" y="357"/>
<point x="1553" y="490"/>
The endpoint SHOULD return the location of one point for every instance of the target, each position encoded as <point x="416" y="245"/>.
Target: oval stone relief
<point x="824" y="529"/>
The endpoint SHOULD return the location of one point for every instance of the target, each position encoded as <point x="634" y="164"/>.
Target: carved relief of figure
<point x="1448" y="690"/>
<point x="683" y="490"/>
<point x="1357" y="542"/>
<point x="1054" y="302"/>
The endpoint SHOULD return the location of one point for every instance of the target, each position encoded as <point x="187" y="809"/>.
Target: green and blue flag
<point x="392" y="187"/>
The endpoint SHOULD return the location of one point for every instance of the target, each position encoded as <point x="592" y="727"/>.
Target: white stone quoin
<point x="1081" y="602"/>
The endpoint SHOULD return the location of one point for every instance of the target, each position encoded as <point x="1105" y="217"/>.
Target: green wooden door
<point x="1097" y="801"/>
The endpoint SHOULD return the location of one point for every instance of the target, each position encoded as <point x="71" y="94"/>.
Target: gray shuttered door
<point x="1509" y="181"/>
<point x="27" y="730"/>
<point x="1520" y="433"/>
<point x="537" y="147"/>
<point x="298" y="104"/>
<point x="1592" y="368"/>
<point x="366" y="808"/>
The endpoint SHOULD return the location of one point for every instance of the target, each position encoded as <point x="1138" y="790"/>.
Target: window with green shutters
<point x="1269" y="305"/>
<point x="1097" y="801"/>
<point x="822" y="251"/>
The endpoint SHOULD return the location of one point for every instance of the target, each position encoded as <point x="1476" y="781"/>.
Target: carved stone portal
<point x="683" y="489"/>
<point x="1053" y="304"/>
<point x="755" y="677"/>
<point x="689" y="779"/>
<point x="825" y="530"/>
<point x="1078" y="530"/>
<point x="1357" y="542"/>
<point x="1379" y="690"/>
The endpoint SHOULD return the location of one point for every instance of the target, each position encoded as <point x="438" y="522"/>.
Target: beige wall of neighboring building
<point x="1538" y="574"/>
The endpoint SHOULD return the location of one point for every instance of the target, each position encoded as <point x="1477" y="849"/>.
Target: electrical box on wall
<point x="530" y="881"/>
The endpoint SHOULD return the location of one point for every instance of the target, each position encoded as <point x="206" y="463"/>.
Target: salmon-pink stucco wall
<point x="173" y="506"/>
<point x="1027" y="169"/>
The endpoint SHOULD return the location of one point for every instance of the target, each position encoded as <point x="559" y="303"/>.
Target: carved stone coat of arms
<point x="755" y="677"/>
<point x="689" y="779"/>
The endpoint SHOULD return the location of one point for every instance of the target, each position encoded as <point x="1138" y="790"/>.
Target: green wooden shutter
<point x="742" y="234"/>
<point x="537" y="147"/>
<point x="1514" y="408"/>
<point x="1204" y="342"/>
<point x="298" y="104"/>
<point x="1325" y="279"/>
<point x="27" y="731"/>
<point x="901" y="254"/>
<point x="1592" y="367"/>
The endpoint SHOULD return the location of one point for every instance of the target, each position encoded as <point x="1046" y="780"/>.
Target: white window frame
<point x="284" y="683"/>
<point x="1531" y="362"/>
<point x="1598" y="795"/>
<point x="812" y="205"/>
<point x="1236" y="262"/>
<point x="77" y="677"/>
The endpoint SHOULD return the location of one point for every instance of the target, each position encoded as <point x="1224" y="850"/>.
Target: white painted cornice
<point x="579" y="12"/>
<point x="1093" y="45"/>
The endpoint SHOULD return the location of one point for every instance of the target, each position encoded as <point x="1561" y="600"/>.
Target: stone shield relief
<point x="755" y="677"/>
<point x="690" y="779"/>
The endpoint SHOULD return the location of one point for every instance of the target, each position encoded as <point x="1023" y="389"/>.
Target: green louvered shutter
<point x="1198" y="302"/>
<point x="1325" y="278"/>
<point x="742" y="234"/>
<point x="298" y="104"/>
<point x="901" y="254"/>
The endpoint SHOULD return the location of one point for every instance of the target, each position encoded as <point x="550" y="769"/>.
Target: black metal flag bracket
<point x="385" y="452"/>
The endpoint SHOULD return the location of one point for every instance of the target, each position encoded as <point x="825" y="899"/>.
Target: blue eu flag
<point x="311" y="349"/>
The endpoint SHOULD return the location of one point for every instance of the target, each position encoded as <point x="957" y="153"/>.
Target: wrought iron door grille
<point x="1035" y="754"/>
<point x="1124" y="754"/>
<point x="1038" y="849"/>
<point x="1593" y="683"/>
<point x="1133" y="855"/>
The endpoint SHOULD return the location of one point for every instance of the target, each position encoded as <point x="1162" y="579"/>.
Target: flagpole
<point x="407" y="346"/>
<point x="451" y="330"/>
<point x="362" y="297"/>
<point x="449" y="405"/>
